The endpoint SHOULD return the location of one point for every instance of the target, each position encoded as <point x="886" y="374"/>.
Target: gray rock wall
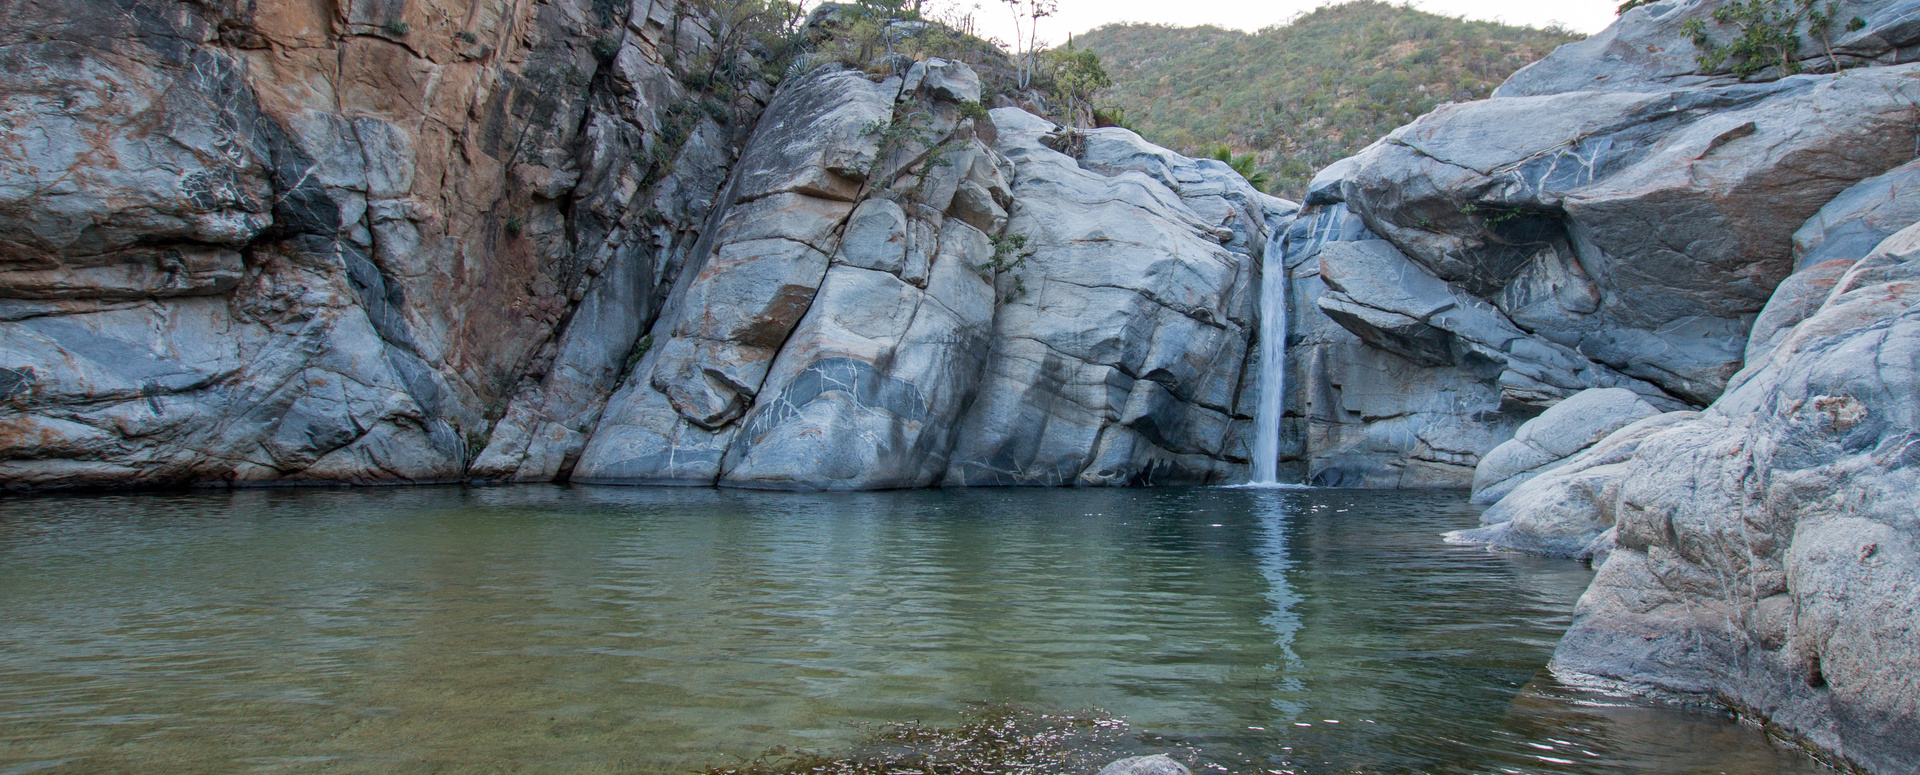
<point x="1493" y="258"/>
<point x="1760" y="553"/>
<point x="1766" y="551"/>
<point x="411" y="242"/>
<point x="279" y="242"/>
<point x="908" y="295"/>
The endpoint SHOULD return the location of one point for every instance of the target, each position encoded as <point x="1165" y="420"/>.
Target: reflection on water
<point x="543" y="629"/>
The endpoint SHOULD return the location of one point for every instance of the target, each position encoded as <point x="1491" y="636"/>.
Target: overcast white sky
<point x="1077" y="16"/>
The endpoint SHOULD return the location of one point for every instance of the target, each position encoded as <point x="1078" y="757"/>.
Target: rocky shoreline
<point x="1657" y="315"/>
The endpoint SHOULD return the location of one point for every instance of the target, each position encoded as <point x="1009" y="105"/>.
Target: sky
<point x="1077" y="16"/>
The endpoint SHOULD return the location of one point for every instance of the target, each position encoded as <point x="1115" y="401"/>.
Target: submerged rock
<point x="1157" y="764"/>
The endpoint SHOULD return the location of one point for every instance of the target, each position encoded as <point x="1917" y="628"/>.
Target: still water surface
<point x="546" y="629"/>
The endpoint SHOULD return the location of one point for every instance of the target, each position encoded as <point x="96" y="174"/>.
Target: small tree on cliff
<point x="1077" y="73"/>
<point x="1026" y="35"/>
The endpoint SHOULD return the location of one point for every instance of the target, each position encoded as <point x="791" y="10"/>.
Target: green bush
<point x="1766" y="36"/>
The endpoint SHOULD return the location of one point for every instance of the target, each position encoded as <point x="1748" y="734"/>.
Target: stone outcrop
<point x="1766" y="549"/>
<point x="1494" y="258"/>
<point x="326" y="242"/>
<point x="1546" y="442"/>
<point x="414" y="242"/>
<point x="1648" y="51"/>
<point x="911" y="296"/>
<point x="1760" y="551"/>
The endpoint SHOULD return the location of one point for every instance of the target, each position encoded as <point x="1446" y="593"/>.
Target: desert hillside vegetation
<point x="1301" y="95"/>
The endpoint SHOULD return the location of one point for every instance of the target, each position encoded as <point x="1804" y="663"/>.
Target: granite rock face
<point x="1767" y="550"/>
<point x="1648" y="51"/>
<point x="1628" y="230"/>
<point x="1760" y="552"/>
<point x="1120" y="349"/>
<point x="1547" y="441"/>
<point x="249" y="243"/>
<point x="909" y="296"/>
<point x="408" y="242"/>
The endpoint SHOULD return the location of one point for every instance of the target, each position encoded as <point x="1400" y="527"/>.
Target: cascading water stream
<point x="1273" y="368"/>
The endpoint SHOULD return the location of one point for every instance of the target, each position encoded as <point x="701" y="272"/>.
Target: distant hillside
<point x="1306" y="94"/>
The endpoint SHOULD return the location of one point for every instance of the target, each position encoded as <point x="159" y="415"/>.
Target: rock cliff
<point x="322" y="242"/>
<point x="1706" y="281"/>
<point x="1620" y="229"/>
<point x="533" y="240"/>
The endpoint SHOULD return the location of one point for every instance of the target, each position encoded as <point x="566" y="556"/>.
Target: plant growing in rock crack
<point x="399" y="29"/>
<point x="1010" y="255"/>
<point x="1488" y="217"/>
<point x="897" y="133"/>
<point x="1767" y="35"/>
<point x="669" y="139"/>
<point x="1071" y="142"/>
<point x="514" y="225"/>
<point x="604" y="49"/>
<point x="640" y="350"/>
<point x="1248" y="165"/>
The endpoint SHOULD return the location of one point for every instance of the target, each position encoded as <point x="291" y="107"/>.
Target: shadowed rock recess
<point x="383" y="241"/>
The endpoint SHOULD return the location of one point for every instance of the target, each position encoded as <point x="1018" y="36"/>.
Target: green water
<point x="588" y="630"/>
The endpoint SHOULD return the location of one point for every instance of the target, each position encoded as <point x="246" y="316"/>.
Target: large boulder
<point x="1610" y="219"/>
<point x="1766" y="551"/>
<point x="1546" y="442"/>
<point x="1566" y="510"/>
<point x="1650" y="49"/>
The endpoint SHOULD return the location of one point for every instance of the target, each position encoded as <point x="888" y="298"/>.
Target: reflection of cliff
<point x="1553" y="722"/>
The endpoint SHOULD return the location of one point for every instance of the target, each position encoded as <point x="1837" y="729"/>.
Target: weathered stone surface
<point x="1609" y="219"/>
<point x="944" y="80"/>
<point x="1860" y="218"/>
<point x="926" y="341"/>
<point x="1647" y="49"/>
<point x="1675" y="206"/>
<point x="756" y="276"/>
<point x="1546" y="442"/>
<point x="287" y="243"/>
<point x="1567" y="509"/>
<point x="1794" y="301"/>
<point x="1766" y="551"/>
<point x="1119" y="350"/>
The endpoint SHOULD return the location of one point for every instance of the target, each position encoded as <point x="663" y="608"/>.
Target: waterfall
<point x="1273" y="366"/>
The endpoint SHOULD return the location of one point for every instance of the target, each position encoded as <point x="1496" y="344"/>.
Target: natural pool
<point x="548" y="629"/>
